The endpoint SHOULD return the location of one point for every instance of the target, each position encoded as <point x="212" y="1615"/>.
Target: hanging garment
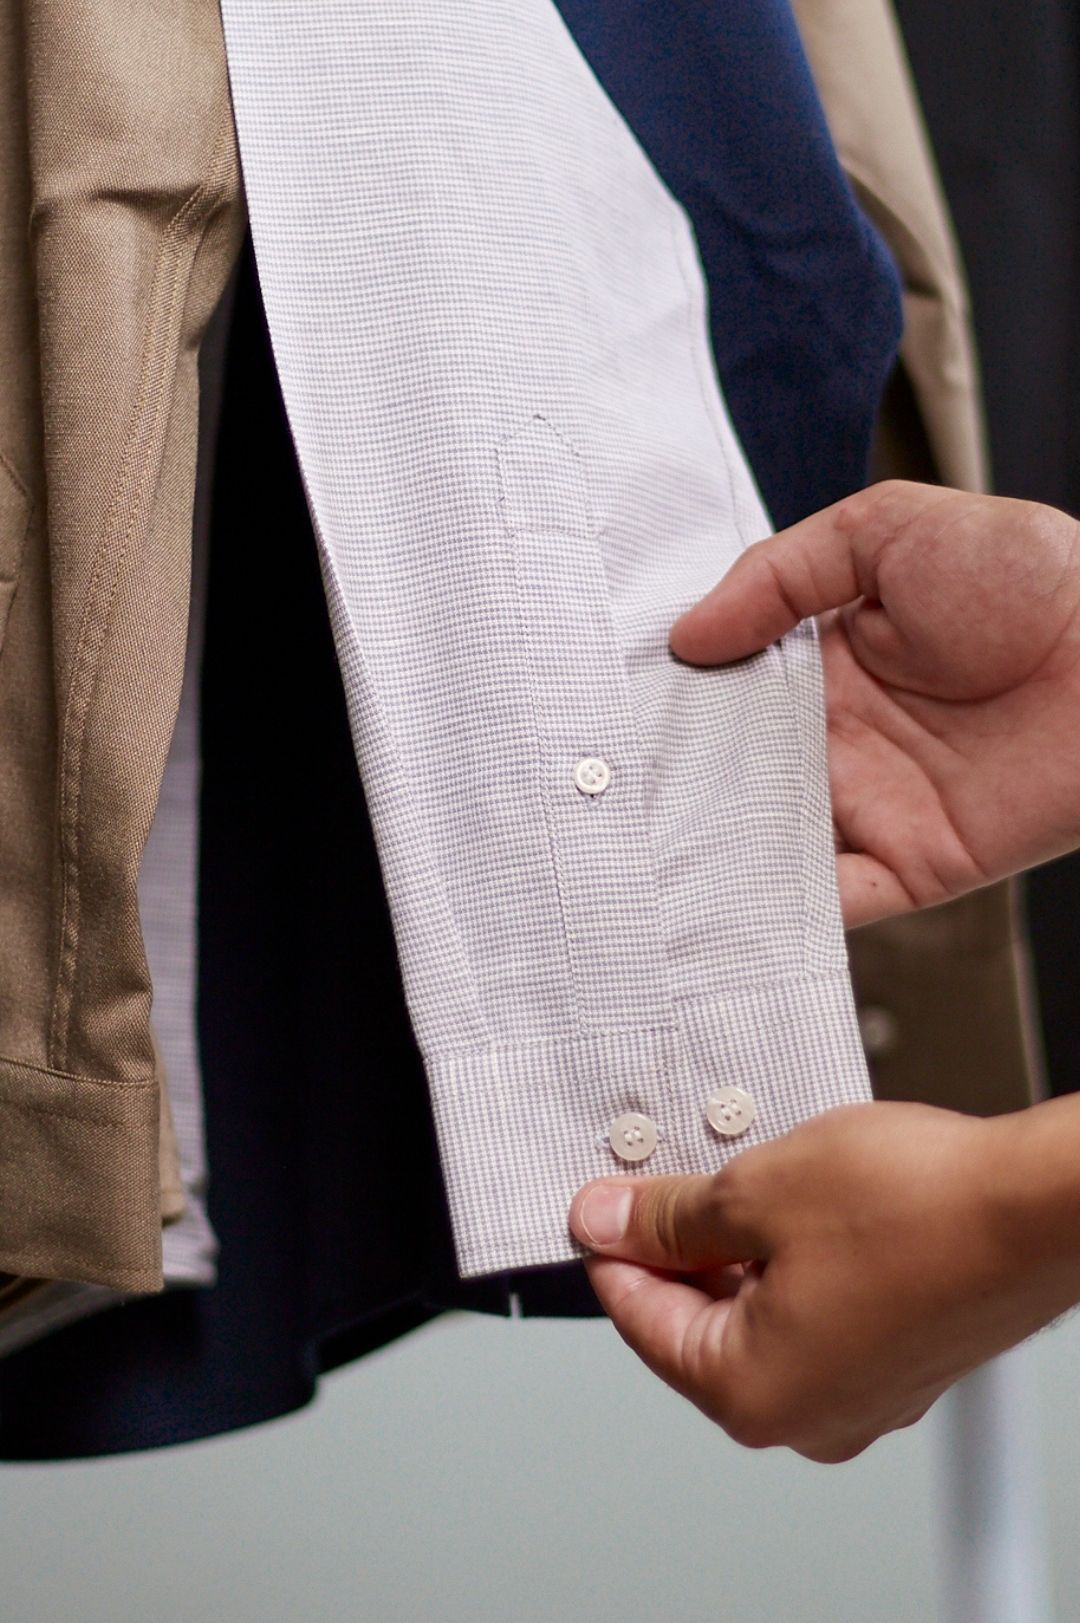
<point x="945" y="997"/>
<point x="488" y="318"/>
<point x="373" y="1284"/>
<point x="162" y="1370"/>
<point x="168" y="881"/>
<point x="1001" y="90"/>
<point x="326" y="1195"/>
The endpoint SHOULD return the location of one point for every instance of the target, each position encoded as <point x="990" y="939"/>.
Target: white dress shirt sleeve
<point x="611" y="876"/>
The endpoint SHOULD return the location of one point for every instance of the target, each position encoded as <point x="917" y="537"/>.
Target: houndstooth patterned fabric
<point x="489" y="322"/>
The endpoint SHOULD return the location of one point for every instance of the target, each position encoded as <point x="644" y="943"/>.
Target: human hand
<point x="952" y="677"/>
<point x="827" y="1287"/>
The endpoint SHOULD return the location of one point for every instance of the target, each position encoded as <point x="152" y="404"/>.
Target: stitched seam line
<point x="379" y="726"/>
<point x="806" y="756"/>
<point x="630" y="719"/>
<point x="543" y="744"/>
<point x="20" y="1066"/>
<point x="23" y="489"/>
<point x="94" y="626"/>
<point x="15" y="573"/>
<point x="572" y="1039"/>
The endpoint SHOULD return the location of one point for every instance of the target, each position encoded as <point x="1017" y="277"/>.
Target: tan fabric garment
<point x="858" y="61"/>
<point x="946" y="995"/>
<point x="120" y="217"/>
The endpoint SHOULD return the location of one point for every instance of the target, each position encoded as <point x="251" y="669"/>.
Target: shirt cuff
<point x="522" y="1127"/>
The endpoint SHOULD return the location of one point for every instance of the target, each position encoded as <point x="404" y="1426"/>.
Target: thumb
<point x="822" y="563"/>
<point x="680" y="1224"/>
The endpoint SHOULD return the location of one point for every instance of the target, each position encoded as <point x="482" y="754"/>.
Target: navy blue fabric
<point x="326" y="1191"/>
<point x="804" y="301"/>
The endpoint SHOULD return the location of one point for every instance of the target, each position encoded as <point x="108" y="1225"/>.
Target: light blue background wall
<point x="524" y="1471"/>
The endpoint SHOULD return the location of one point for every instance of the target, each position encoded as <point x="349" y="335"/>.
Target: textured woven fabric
<point x="167" y="910"/>
<point x="120" y="216"/>
<point x="488" y="318"/>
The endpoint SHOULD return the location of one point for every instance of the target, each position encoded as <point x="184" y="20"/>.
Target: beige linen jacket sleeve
<point x="120" y="218"/>
<point x="120" y="214"/>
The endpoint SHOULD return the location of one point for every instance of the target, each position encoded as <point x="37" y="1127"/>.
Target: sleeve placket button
<point x="592" y="775"/>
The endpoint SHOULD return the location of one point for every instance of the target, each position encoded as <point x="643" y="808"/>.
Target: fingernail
<point x="604" y="1214"/>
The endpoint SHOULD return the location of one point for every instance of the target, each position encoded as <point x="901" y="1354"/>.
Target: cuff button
<point x="632" y="1137"/>
<point x="730" y="1111"/>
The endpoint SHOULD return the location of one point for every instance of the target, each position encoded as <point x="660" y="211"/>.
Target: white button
<point x="730" y="1111"/>
<point x="592" y="775"/>
<point x="878" y="1029"/>
<point x="633" y="1137"/>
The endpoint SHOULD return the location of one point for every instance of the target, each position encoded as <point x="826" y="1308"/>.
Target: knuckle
<point x="835" y="1453"/>
<point x="890" y="490"/>
<point x="877" y="512"/>
<point x="753" y="1424"/>
<point x="733" y="1196"/>
<point x="752" y="1431"/>
<point x="730" y="1183"/>
<point x="677" y="1217"/>
<point x="783" y="586"/>
<point x="717" y="1196"/>
<point x="665" y="1221"/>
<point x="853" y="511"/>
<point x="771" y="1413"/>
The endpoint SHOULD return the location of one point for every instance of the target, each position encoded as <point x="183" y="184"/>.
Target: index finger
<point x="656" y="1316"/>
